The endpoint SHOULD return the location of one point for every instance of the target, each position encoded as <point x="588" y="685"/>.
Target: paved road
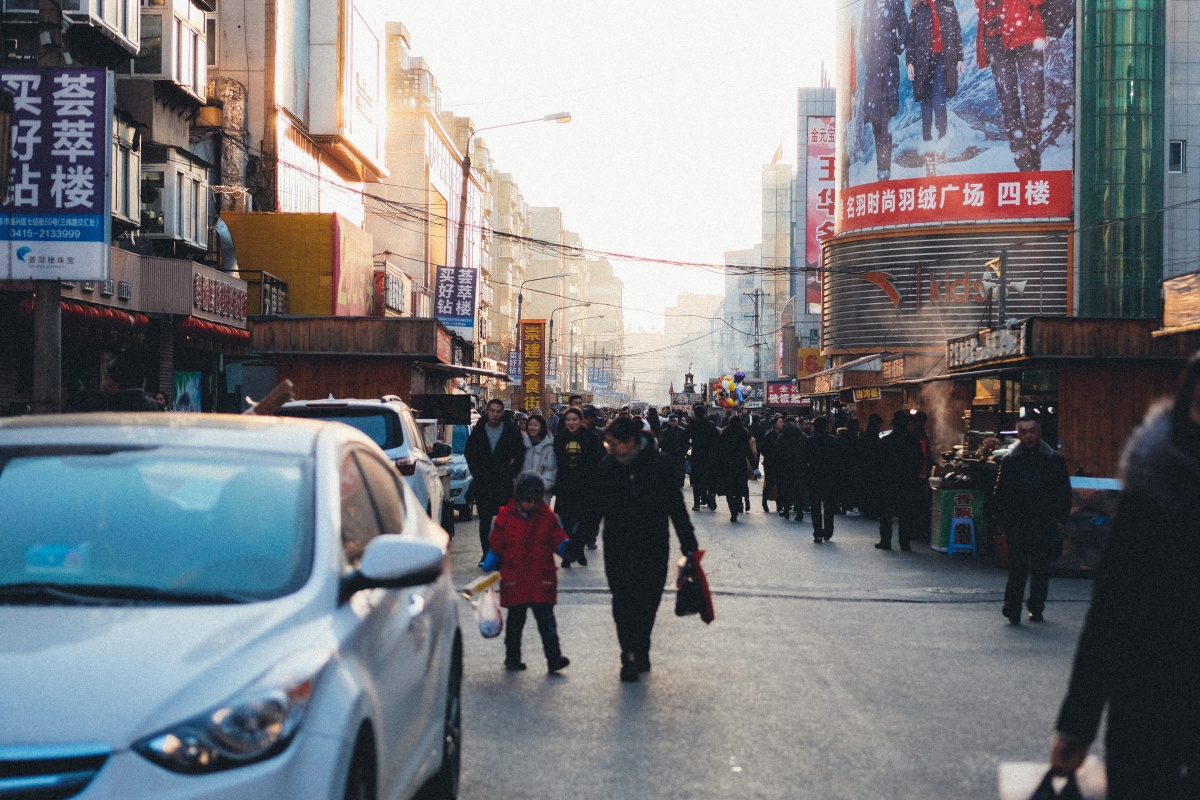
<point x="831" y="671"/>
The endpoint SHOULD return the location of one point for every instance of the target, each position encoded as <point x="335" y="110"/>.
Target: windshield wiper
<point x="93" y="594"/>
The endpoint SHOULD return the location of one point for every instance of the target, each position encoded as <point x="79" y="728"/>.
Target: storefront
<point x="1090" y="380"/>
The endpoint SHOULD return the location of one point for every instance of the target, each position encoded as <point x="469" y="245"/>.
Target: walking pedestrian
<point x="674" y="442"/>
<point x="636" y="498"/>
<point x="539" y="453"/>
<point x="1138" y="653"/>
<point x="768" y="449"/>
<point x="733" y="466"/>
<point x="791" y="464"/>
<point x="123" y="383"/>
<point x="869" y="468"/>
<point x="577" y="456"/>
<point x="902" y="482"/>
<point x="495" y="453"/>
<point x="1032" y="502"/>
<point x="705" y="441"/>
<point x="823" y="456"/>
<point x="525" y="538"/>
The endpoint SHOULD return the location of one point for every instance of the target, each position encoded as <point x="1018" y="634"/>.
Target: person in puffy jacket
<point x="577" y="455"/>
<point x="525" y="537"/>
<point x="539" y="452"/>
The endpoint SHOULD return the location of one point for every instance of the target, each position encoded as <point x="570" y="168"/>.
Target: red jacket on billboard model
<point x="526" y="547"/>
<point x="1019" y="22"/>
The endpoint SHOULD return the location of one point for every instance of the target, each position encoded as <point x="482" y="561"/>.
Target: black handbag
<point x="1045" y="790"/>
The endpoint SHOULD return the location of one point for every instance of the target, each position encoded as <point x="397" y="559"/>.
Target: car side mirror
<point x="441" y="450"/>
<point x="394" y="562"/>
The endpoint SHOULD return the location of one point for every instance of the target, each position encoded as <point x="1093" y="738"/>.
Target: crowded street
<point x="832" y="671"/>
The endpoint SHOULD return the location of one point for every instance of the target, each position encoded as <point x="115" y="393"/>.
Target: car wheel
<point x="444" y="783"/>
<point x="361" y="781"/>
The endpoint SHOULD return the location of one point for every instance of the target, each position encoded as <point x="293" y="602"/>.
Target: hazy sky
<point x="676" y="106"/>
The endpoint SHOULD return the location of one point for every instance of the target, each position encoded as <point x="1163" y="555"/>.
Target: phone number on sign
<point x="44" y="233"/>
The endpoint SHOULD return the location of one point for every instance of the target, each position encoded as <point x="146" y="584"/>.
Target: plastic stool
<point x="962" y="537"/>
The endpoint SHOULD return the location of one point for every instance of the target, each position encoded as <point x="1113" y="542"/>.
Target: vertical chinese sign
<point x="56" y="216"/>
<point x="454" y="299"/>
<point x="819" y="204"/>
<point x="533" y="366"/>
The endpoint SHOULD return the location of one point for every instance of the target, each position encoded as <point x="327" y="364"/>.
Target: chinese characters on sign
<point x="533" y="361"/>
<point x="57" y="211"/>
<point x="454" y="299"/>
<point x="1010" y="195"/>
<point x="822" y="147"/>
<point x="783" y="393"/>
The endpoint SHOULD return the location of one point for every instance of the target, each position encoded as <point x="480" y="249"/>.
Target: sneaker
<point x="514" y="666"/>
<point x="555" y="664"/>
<point x="1036" y="616"/>
<point x="581" y="558"/>
<point x="629" y="673"/>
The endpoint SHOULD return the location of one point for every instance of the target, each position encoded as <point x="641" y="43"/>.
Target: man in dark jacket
<point x="637" y="497"/>
<point x="768" y="448"/>
<point x="705" y="439"/>
<point x="1032" y="501"/>
<point x="902" y="482"/>
<point x="577" y="454"/>
<point x="822" y="452"/>
<point x="674" y="441"/>
<point x="495" y="453"/>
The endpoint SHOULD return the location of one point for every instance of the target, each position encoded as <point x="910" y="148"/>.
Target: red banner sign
<point x="956" y="198"/>
<point x="533" y="366"/>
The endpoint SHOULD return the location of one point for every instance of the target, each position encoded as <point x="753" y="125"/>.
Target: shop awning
<point x="461" y="370"/>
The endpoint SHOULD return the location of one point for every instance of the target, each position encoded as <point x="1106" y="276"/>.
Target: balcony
<point x="115" y="20"/>
<point x="174" y="49"/>
<point x="174" y="195"/>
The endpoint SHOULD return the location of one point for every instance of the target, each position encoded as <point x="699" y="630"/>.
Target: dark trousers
<point x="485" y="530"/>
<point x="910" y="517"/>
<point x="702" y="494"/>
<point x="883" y="146"/>
<point x="543" y="613"/>
<point x="823" y="510"/>
<point x="734" y="501"/>
<point x="934" y="109"/>
<point x="635" y="601"/>
<point x="1029" y="555"/>
<point x="791" y="495"/>
<point x="769" y="482"/>
<point x="1020" y="78"/>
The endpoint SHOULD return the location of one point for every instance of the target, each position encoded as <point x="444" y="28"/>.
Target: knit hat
<point x="529" y="486"/>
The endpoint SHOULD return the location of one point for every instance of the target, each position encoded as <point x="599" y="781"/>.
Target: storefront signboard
<point x="1181" y="301"/>
<point x="755" y="394"/>
<point x="893" y="370"/>
<point x="783" y="393"/>
<point x="823" y="384"/>
<point x="514" y="366"/>
<point x="533" y="365"/>
<point x="871" y="393"/>
<point x="57" y="215"/>
<point x="218" y="297"/>
<point x="808" y="361"/>
<point x="990" y="345"/>
<point x="454" y="299"/>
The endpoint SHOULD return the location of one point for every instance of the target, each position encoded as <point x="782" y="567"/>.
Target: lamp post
<point x="521" y="299"/>
<point x="574" y="358"/>
<point x="562" y="116"/>
<point x="550" y="350"/>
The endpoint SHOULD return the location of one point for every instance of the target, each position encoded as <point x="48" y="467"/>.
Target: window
<point x="152" y="47"/>
<point x="1177" y="156"/>
<point x="126" y="171"/>
<point x="174" y="48"/>
<point x="385" y="493"/>
<point x="174" y="200"/>
<point x="210" y="29"/>
<point x="153" y="189"/>
<point x="359" y="523"/>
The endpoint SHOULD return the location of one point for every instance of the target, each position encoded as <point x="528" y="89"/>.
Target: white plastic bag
<point x="487" y="613"/>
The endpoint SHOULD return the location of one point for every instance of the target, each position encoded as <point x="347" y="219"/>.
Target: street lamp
<point x="550" y="350"/>
<point x="521" y="299"/>
<point x="574" y="359"/>
<point x="562" y="116"/>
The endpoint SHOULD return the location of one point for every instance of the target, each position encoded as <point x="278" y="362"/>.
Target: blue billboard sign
<point x="454" y="299"/>
<point x="57" y="214"/>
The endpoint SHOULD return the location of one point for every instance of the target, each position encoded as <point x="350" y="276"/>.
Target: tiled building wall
<point x="1182" y="239"/>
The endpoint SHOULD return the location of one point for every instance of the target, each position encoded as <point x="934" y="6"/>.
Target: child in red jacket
<point x="524" y="538"/>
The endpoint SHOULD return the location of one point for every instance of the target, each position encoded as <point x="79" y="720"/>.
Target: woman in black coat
<point x="578" y="454"/>
<point x="790" y="460"/>
<point x="868" y="462"/>
<point x="733" y="466"/>
<point x="1139" y="653"/>
<point x="934" y="52"/>
<point x="636" y="497"/>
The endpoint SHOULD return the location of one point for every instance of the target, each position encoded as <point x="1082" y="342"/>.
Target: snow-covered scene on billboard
<point x="955" y="111"/>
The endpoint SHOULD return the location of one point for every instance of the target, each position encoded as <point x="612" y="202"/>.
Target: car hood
<point x="114" y="674"/>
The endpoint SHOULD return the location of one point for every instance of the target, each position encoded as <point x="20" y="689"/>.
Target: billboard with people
<point x="954" y="111"/>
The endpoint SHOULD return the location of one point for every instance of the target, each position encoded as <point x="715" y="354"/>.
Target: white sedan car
<point x="220" y="606"/>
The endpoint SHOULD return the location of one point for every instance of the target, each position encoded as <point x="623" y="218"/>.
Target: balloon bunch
<point x="730" y="391"/>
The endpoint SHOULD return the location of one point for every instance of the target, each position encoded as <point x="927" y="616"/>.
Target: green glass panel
<point x="1122" y="95"/>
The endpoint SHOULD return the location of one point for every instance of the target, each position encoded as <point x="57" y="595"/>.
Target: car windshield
<point x="380" y="425"/>
<point x="154" y="523"/>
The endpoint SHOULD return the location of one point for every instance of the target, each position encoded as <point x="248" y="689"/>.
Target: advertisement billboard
<point x="821" y="183"/>
<point x="454" y="299"/>
<point x="533" y="366"/>
<point x="954" y="111"/>
<point x="57" y="209"/>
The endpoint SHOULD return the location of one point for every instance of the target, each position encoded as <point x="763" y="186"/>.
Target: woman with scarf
<point x="934" y="53"/>
<point x="1139" y="654"/>
<point x="539" y="452"/>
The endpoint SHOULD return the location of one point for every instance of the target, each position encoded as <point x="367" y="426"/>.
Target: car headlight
<point x="255" y="725"/>
<point x="458" y="473"/>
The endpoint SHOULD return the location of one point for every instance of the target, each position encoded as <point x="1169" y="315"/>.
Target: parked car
<point x="460" y="475"/>
<point x="390" y="424"/>
<point x="220" y="606"/>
